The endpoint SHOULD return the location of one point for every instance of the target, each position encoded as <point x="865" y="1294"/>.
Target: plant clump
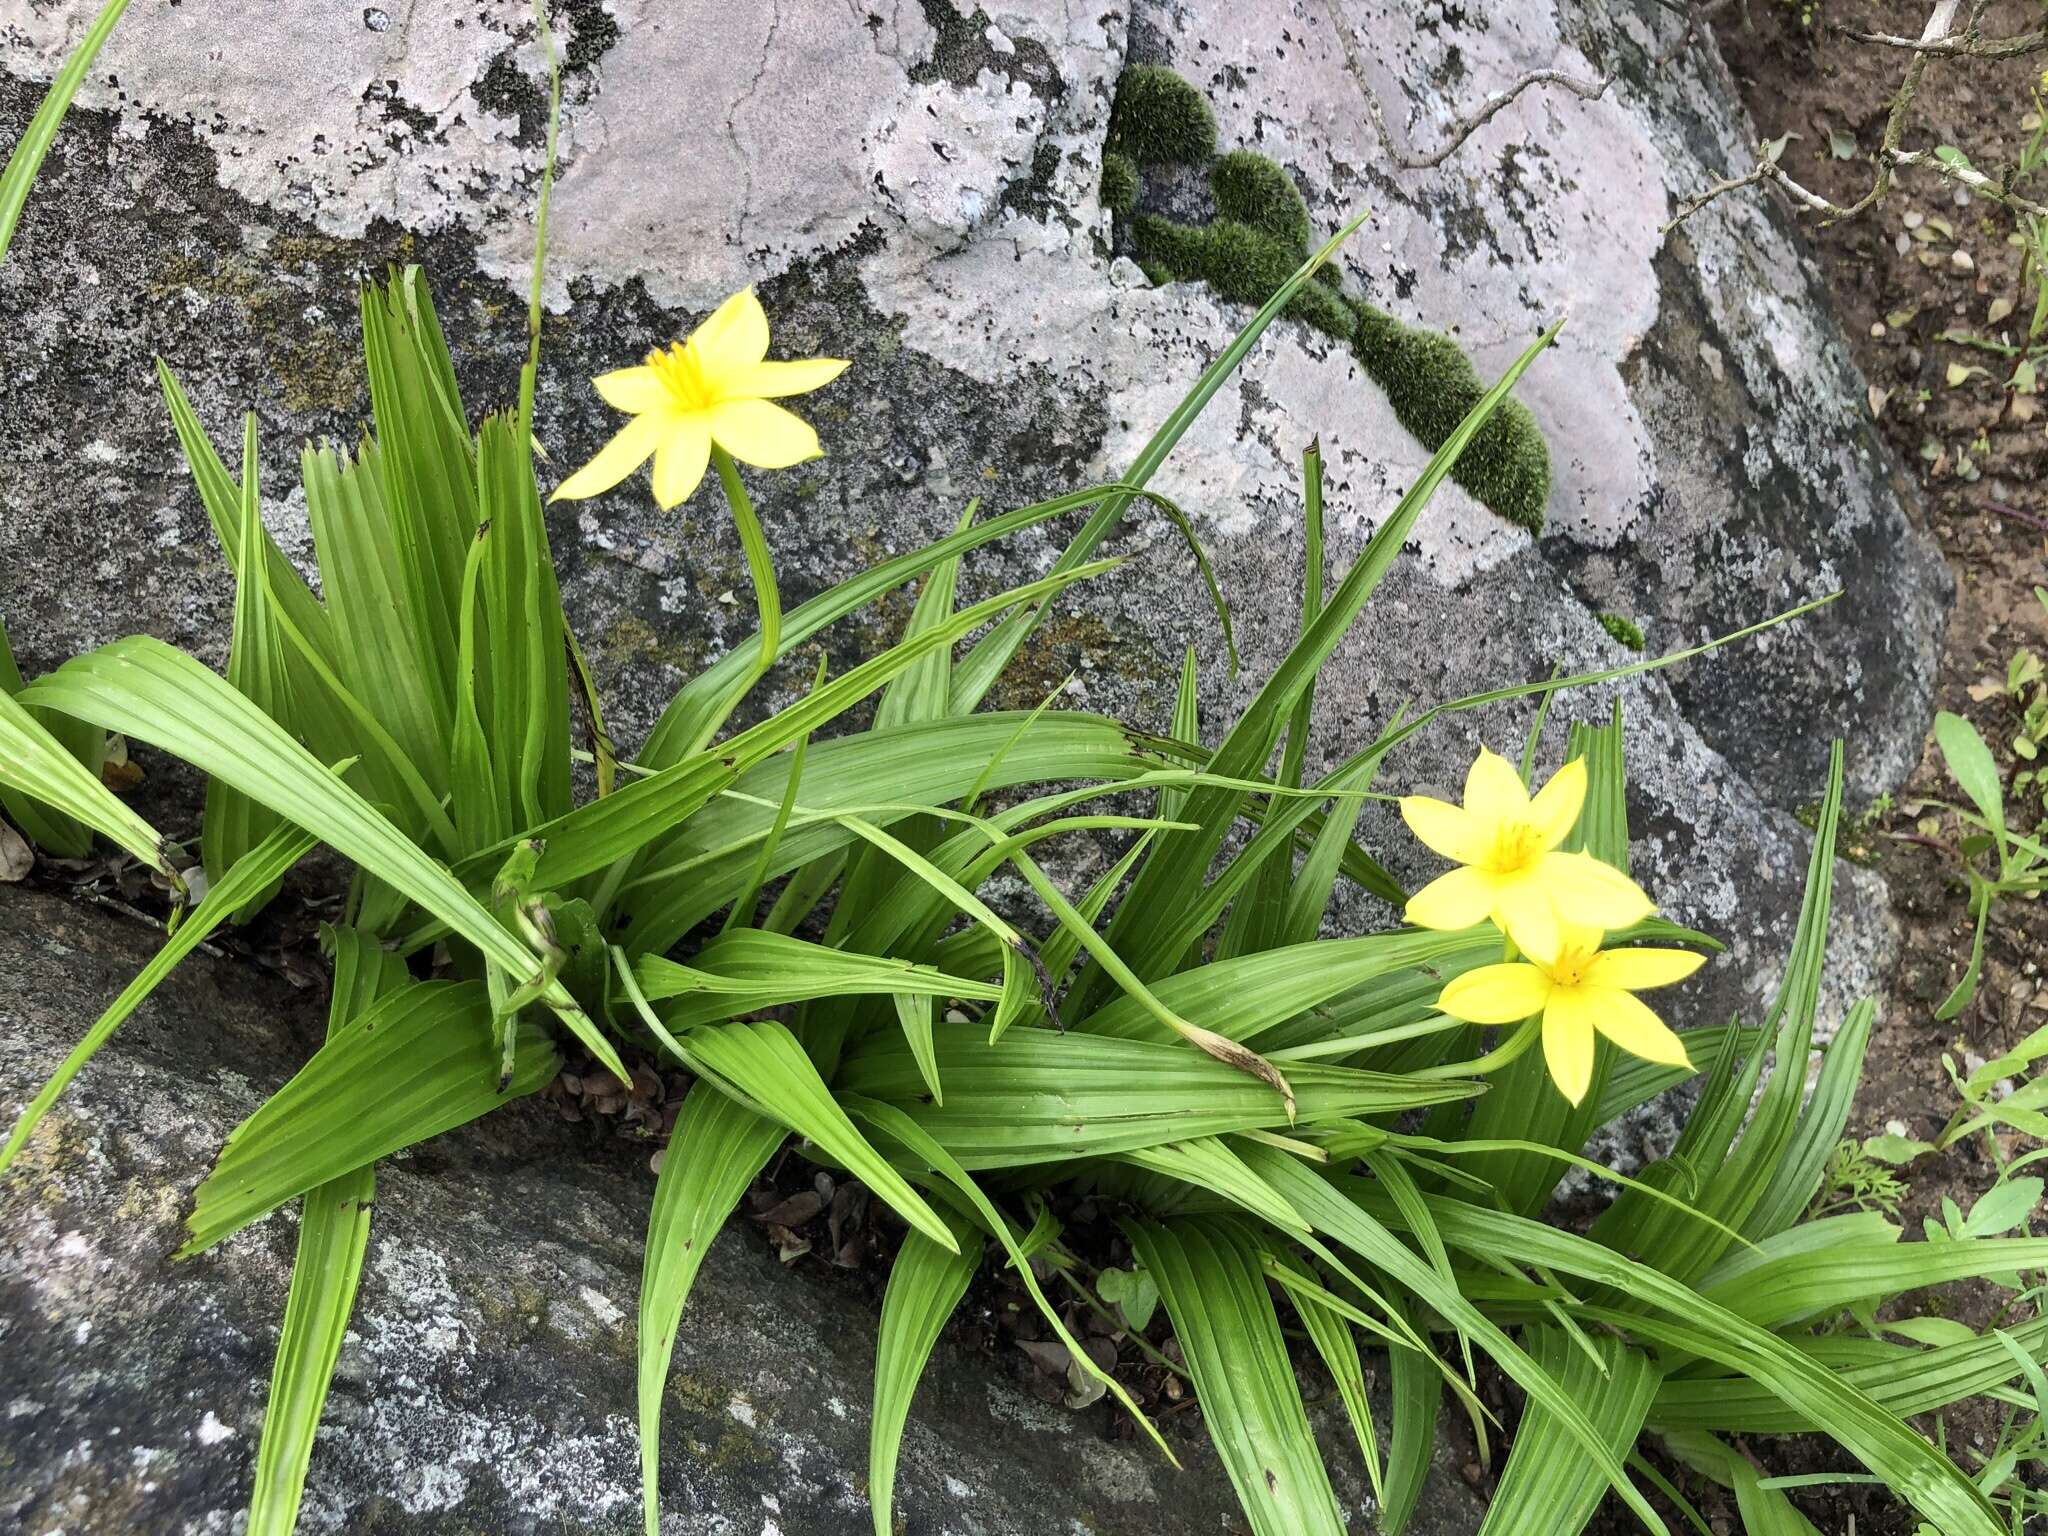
<point x="1258" y="192"/>
<point x="1624" y="631"/>
<point x="1241" y="264"/>
<point x="1432" y="386"/>
<point x="1160" y="119"/>
<point x="1119" y="186"/>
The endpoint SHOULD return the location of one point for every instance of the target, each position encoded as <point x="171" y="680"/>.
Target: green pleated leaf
<point x="1214" y="1290"/>
<point x="1764" y="1511"/>
<point x="764" y="1065"/>
<point x="925" y="1284"/>
<point x="235" y="823"/>
<point x="748" y="970"/>
<point x="1207" y="1163"/>
<point x="718" y="1147"/>
<point x="1546" y="1489"/>
<point x="258" y="870"/>
<point x="418" y="1063"/>
<point x="1335" y="1343"/>
<point x="1667" y="1311"/>
<point x="1905" y="1379"/>
<point x="334" y="1232"/>
<point x="51" y="830"/>
<point x="1036" y="1095"/>
<point x="41" y="767"/>
<point x="156" y="694"/>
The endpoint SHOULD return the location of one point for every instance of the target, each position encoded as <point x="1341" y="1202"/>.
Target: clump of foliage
<point x="1624" y="631"/>
<point x="1119" y="187"/>
<point x="1432" y="386"/>
<point x="1158" y="118"/>
<point x="1257" y="192"/>
<point x="1292" y="1130"/>
<point x="1241" y="264"/>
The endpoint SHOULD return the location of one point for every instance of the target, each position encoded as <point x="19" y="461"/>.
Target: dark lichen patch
<point x="596" y="33"/>
<point x="1259" y="193"/>
<point x="1624" y="631"/>
<point x="1158" y="118"/>
<point x="962" y="50"/>
<point x="1432" y="386"/>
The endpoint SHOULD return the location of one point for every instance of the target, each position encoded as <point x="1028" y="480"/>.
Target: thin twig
<point x="1963" y="47"/>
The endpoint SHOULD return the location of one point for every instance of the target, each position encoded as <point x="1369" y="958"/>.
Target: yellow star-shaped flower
<point x="1580" y="989"/>
<point x="1511" y="871"/>
<point x="716" y="387"/>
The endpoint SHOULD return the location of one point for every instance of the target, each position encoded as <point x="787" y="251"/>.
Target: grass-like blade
<point x="419" y="1063"/>
<point x="1214" y="1290"/>
<point x="334" y="1231"/>
<point x="718" y="1147"/>
<point x="257" y="870"/>
<point x="764" y="1065"/>
<point x="1546" y="1489"/>
<point x="925" y="1284"/>
<point x="1338" y="1348"/>
<point x="153" y="693"/>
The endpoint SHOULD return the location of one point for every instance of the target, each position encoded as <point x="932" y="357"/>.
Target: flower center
<point x="682" y="376"/>
<point x="1515" y="847"/>
<point x="1571" y="965"/>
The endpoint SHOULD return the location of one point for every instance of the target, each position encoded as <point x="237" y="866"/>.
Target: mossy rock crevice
<point x="1260" y="234"/>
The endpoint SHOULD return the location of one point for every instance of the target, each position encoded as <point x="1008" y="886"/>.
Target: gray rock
<point x="487" y="1380"/>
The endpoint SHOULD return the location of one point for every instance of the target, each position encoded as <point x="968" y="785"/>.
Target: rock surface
<point x="487" y="1381"/>
<point x="914" y="187"/>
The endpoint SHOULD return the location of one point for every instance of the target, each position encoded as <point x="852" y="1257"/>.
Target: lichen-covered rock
<point x="917" y="187"/>
<point x="487" y="1380"/>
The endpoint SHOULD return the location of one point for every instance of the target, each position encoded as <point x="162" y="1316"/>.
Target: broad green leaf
<point x="1973" y="767"/>
<point x="65" y="836"/>
<point x="36" y="763"/>
<point x="1036" y="1095"/>
<point x="334" y="1231"/>
<point x="746" y="971"/>
<point x="258" y="870"/>
<point x="718" y="1147"/>
<point x="153" y="693"/>
<point x="1546" y="1489"/>
<point x="1764" y="1511"/>
<point x="1338" y="1347"/>
<point x="236" y="823"/>
<point x="925" y="1284"/>
<point x="763" y="1065"/>
<point x="418" y="1063"/>
<point x="1343" y="1219"/>
<point x="898" y="1127"/>
<point x="1904" y="1379"/>
<point x="1207" y="1163"/>
<point x="1215" y="1292"/>
<point x="1686" y="1320"/>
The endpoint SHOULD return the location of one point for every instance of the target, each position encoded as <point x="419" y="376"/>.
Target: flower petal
<point x="1627" y="1020"/>
<point x="776" y="381"/>
<point x="1555" y="810"/>
<point x="1635" y="969"/>
<point x="733" y="338"/>
<point x="637" y="390"/>
<point x="1456" y="900"/>
<point x="679" y="461"/>
<point x="626" y="452"/>
<point x="1591" y="893"/>
<point x="1568" y="1042"/>
<point x="1494" y="790"/>
<point x="1443" y="828"/>
<point x="1495" y="994"/>
<point x="763" y="435"/>
<point x="1522" y="909"/>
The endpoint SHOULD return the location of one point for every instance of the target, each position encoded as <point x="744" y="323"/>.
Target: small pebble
<point x="1961" y="261"/>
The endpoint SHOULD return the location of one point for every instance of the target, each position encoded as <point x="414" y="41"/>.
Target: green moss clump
<point x="1252" y="190"/>
<point x="1157" y="273"/>
<point x="1176" y="249"/>
<point x="1432" y="385"/>
<point x="1158" y="117"/>
<point x="1241" y="264"/>
<point x="1625" y="632"/>
<point x="1119" y="182"/>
